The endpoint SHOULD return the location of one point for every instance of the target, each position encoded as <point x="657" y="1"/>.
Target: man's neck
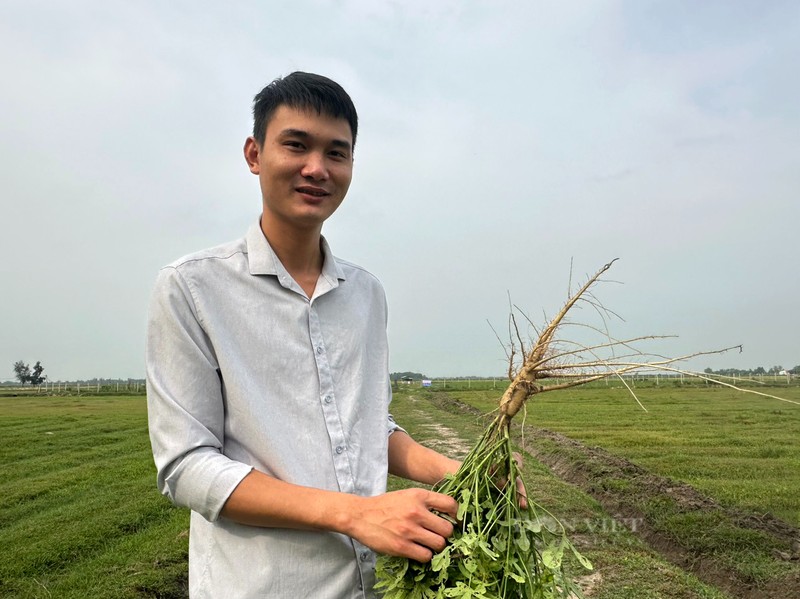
<point x="298" y="250"/>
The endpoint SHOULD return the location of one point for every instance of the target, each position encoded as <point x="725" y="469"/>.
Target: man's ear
<point x="251" y="154"/>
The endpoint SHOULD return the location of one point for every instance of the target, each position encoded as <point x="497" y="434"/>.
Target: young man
<point x="268" y="386"/>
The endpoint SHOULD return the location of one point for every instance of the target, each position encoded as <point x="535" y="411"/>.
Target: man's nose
<point x="315" y="167"/>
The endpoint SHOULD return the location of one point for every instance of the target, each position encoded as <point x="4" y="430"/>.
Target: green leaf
<point x="429" y="593"/>
<point x="499" y="541"/>
<point x="535" y="526"/>
<point x="463" y="504"/>
<point x="469" y="540"/>
<point x="551" y="557"/>
<point x="462" y="510"/>
<point x="488" y="503"/>
<point x="518" y="577"/>
<point x="471" y="565"/>
<point x="441" y="561"/>
<point x="522" y="542"/>
<point x="583" y="561"/>
<point x="461" y="591"/>
<point x="486" y="549"/>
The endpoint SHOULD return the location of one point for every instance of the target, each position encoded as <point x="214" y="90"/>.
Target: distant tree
<point x="396" y="376"/>
<point x="708" y="371"/>
<point x="22" y="371"/>
<point x="36" y="377"/>
<point x="760" y="370"/>
<point x="795" y="370"/>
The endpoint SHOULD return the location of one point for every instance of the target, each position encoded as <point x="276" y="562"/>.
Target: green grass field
<point x="80" y="515"/>
<point x="742" y="449"/>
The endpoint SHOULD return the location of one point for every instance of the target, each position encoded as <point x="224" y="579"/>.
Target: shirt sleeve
<point x="393" y="426"/>
<point x="185" y="404"/>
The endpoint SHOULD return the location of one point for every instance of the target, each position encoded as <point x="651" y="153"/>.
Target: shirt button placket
<point x="329" y="408"/>
<point x="365" y="564"/>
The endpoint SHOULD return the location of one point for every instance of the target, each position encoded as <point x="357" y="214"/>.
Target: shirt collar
<point x="264" y="261"/>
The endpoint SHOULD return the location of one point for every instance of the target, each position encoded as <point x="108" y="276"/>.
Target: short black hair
<point x="303" y="91"/>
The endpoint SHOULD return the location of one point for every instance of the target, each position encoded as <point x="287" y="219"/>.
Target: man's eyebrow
<point x="339" y="143"/>
<point x="294" y="133"/>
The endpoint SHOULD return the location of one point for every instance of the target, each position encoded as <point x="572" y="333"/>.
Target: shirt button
<point x="319" y="349"/>
<point x="364" y="556"/>
<point x="328" y="399"/>
<point x="339" y="449"/>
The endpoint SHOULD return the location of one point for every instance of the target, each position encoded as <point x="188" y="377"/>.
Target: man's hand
<point x="501" y="482"/>
<point x="521" y="496"/>
<point x="401" y="523"/>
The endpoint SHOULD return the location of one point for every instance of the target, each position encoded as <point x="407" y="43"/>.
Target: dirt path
<point x="591" y="469"/>
<point x="442" y="438"/>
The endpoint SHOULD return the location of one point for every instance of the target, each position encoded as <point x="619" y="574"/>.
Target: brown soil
<point x="443" y="439"/>
<point x="588" y="468"/>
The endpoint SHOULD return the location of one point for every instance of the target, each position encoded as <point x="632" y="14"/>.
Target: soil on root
<point x="632" y="487"/>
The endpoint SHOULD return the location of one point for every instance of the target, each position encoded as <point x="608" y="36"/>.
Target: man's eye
<point x="293" y="144"/>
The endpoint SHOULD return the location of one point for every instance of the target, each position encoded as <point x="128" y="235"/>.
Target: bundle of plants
<point x="505" y="544"/>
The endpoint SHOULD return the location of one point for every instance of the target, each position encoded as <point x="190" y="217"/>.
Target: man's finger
<point x="432" y="540"/>
<point x="441" y="503"/>
<point x="521" y="494"/>
<point x="437" y="525"/>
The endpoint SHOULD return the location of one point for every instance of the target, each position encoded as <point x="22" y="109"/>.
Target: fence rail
<point x="633" y="380"/>
<point x="137" y="386"/>
<point x="91" y="387"/>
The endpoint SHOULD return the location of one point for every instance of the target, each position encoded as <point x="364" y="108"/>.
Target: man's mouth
<point x="313" y="191"/>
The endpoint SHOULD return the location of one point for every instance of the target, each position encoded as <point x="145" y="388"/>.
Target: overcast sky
<point x="499" y="142"/>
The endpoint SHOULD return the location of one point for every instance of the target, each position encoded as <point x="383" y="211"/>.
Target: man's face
<point x="304" y="167"/>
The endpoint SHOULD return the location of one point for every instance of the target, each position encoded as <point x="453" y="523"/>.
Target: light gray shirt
<point x="245" y="371"/>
